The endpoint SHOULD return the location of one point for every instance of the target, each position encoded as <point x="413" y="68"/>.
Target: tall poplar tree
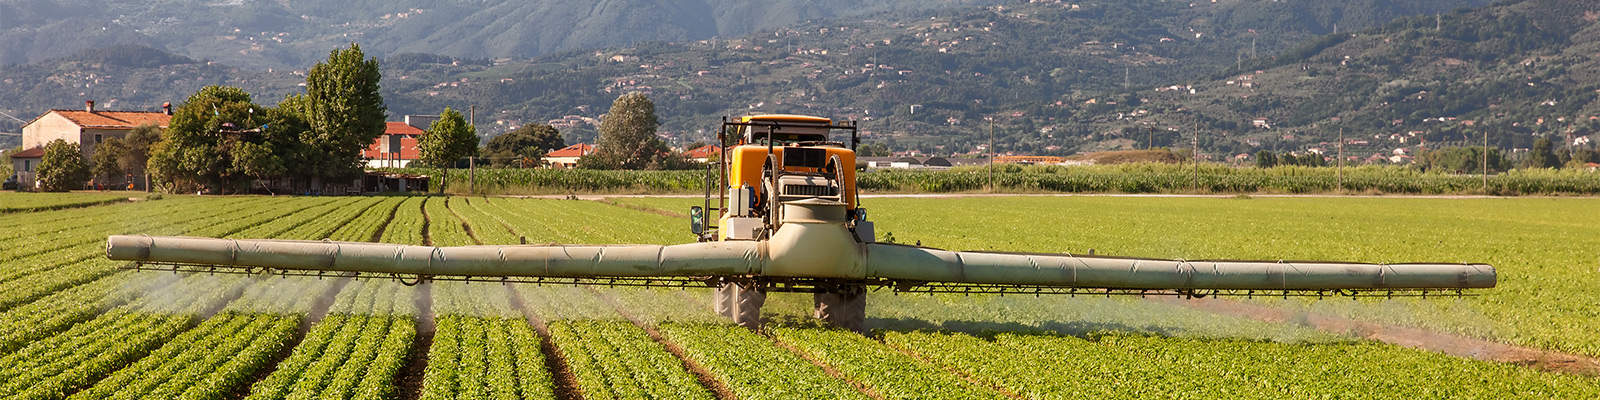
<point x="344" y="111"/>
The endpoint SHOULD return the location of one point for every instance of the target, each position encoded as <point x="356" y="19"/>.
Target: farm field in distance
<point x="72" y="325"/>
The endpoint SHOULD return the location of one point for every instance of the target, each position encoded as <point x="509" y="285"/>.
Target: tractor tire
<point x="747" y="307"/>
<point x="722" y="300"/>
<point x="846" y="308"/>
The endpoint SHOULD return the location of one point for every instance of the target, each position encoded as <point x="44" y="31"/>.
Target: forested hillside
<point x="1058" y="75"/>
<point x="1515" y="71"/>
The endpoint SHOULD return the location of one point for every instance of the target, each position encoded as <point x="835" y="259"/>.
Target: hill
<point x="286" y="34"/>
<point x="1516" y="70"/>
<point x="920" y="80"/>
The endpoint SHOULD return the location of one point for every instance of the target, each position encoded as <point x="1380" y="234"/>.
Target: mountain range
<point x="1056" y="77"/>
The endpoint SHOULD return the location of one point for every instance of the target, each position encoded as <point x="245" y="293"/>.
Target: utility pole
<point x="991" y="154"/>
<point x="1194" y="154"/>
<point x="472" y="164"/>
<point x="1340" y="167"/>
<point x="1485" y="161"/>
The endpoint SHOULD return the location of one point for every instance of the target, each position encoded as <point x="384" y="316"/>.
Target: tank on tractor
<point x="787" y="218"/>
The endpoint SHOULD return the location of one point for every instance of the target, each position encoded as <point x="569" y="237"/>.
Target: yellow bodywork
<point x="746" y="160"/>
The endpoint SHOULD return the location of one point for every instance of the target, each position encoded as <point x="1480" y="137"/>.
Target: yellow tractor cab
<point x="768" y="160"/>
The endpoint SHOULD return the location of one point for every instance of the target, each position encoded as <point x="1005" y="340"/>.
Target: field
<point x="74" y="326"/>
<point x="1120" y="178"/>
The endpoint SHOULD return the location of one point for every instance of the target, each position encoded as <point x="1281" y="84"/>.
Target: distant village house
<point x="567" y="157"/>
<point x="87" y="128"/>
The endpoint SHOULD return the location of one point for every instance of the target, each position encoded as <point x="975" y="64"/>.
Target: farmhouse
<point x="25" y="165"/>
<point x="87" y="128"/>
<point x="567" y="157"/>
<point x="396" y="148"/>
<point x="703" y="154"/>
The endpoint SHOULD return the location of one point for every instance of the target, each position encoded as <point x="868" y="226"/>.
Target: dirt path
<point x="1415" y="338"/>
<point x="427" y="240"/>
<point x="953" y="371"/>
<point x="829" y="369"/>
<point x="377" y="236"/>
<point x="710" y="382"/>
<point x="409" y="380"/>
<point x="566" y="384"/>
<point x="465" y="227"/>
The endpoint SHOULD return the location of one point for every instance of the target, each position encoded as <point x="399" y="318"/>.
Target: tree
<point x="627" y="136"/>
<point x="448" y="139"/>
<point x="257" y="161"/>
<point x="62" y="167"/>
<point x="344" y="113"/>
<point x="872" y="150"/>
<point x="136" y="148"/>
<point x="1542" y="156"/>
<point x="105" y="166"/>
<point x="1266" y="159"/>
<point x="524" y="146"/>
<point x="5" y="161"/>
<point x="195" y="151"/>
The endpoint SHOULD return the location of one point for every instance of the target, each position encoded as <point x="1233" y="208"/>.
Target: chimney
<point x="88" y="105"/>
<point x="166" y="108"/>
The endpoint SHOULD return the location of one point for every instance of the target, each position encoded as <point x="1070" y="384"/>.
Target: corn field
<point x="1123" y="178"/>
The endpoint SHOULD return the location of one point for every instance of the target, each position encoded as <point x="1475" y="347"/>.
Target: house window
<point x="99" y="138"/>
<point x="27" y="165"/>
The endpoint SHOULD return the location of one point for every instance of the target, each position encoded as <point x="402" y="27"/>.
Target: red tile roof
<point x="400" y="128"/>
<point x="706" y="151"/>
<point x="37" y="152"/>
<point x="408" y="142"/>
<point x="115" y="119"/>
<point x="577" y="150"/>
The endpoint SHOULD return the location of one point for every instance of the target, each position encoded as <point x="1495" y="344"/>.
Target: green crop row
<point x="487" y="226"/>
<point x="572" y="221"/>
<point x="408" y="222"/>
<point x="89" y="266"/>
<point x="366" y="226"/>
<point x="222" y="353"/>
<point x="482" y="348"/>
<point x="11" y="202"/>
<point x="555" y="303"/>
<point x="886" y="372"/>
<point x="324" y="222"/>
<point x="1134" y="366"/>
<point x="59" y="310"/>
<point x="353" y="353"/>
<point x="53" y="367"/>
<point x="1538" y="246"/>
<point x="752" y="367"/>
<point x="127" y="218"/>
<point x="63" y="218"/>
<point x="617" y="360"/>
<point x="444" y="227"/>
<point x="293" y="214"/>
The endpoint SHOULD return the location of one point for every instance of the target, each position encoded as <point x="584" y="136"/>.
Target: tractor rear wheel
<point x="844" y="307"/>
<point x="722" y="299"/>
<point x="747" y="306"/>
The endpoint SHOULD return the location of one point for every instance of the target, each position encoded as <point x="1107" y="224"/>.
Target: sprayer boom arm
<point x="780" y="259"/>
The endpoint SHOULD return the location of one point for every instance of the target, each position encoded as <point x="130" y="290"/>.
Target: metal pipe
<point x="806" y="247"/>
<point x="694" y="259"/>
<point x="899" y="262"/>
